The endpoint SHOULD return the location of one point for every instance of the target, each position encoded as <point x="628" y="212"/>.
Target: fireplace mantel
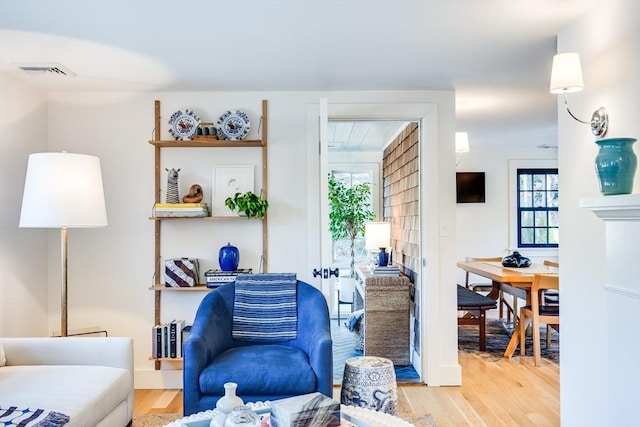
<point x="614" y="208"/>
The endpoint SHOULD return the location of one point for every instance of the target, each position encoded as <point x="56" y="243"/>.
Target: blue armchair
<point x="263" y="371"/>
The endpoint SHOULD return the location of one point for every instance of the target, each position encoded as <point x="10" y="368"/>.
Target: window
<point x="342" y="247"/>
<point x="537" y="208"/>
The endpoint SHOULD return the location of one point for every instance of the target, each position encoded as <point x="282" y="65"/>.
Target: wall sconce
<point x="462" y="145"/>
<point x="566" y="77"/>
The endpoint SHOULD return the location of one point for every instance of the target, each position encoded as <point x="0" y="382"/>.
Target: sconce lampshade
<point x="462" y="142"/>
<point x="63" y="190"/>
<point x="566" y="73"/>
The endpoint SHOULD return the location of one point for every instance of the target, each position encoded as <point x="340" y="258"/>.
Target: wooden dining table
<point x="514" y="281"/>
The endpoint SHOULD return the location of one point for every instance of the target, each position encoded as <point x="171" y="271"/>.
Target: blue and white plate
<point x="233" y="125"/>
<point x="183" y="124"/>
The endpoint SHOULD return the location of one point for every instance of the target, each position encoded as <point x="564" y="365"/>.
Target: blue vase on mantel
<point x="616" y="165"/>
<point x="229" y="258"/>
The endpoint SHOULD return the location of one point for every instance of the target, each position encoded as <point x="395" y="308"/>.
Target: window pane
<point x="553" y="218"/>
<point x="552" y="199"/>
<point x="526" y="219"/>
<point x="539" y="182"/>
<point x="541" y="219"/>
<point x="552" y="182"/>
<point x="553" y="236"/>
<point x="526" y="235"/>
<point x="526" y="199"/>
<point x="343" y="178"/>
<point x="541" y="236"/>
<point x="342" y="251"/>
<point x="525" y="182"/>
<point x="539" y="199"/>
<point x="360" y="178"/>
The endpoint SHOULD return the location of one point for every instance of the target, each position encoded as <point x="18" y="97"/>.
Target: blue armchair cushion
<point x="265" y="307"/>
<point x="275" y="369"/>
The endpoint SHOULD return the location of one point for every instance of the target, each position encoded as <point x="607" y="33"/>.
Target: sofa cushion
<point x="275" y="369"/>
<point x="265" y="307"/>
<point x="85" y="393"/>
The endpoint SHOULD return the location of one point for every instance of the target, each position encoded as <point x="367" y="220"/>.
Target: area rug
<point x="421" y="421"/>
<point x="159" y="420"/>
<point x="343" y="348"/>
<point x="498" y="335"/>
<point x="154" y="420"/>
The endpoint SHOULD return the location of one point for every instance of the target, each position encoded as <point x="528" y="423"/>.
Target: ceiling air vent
<point x="46" y="69"/>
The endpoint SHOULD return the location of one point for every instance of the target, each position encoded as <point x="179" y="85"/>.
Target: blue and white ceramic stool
<point x="370" y="382"/>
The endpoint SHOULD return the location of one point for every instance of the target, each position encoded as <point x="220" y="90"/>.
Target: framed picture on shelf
<point x="227" y="181"/>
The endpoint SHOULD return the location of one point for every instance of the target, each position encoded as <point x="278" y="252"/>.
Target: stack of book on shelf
<point x="167" y="339"/>
<point x="217" y="278"/>
<point x="180" y="210"/>
<point x="385" y="271"/>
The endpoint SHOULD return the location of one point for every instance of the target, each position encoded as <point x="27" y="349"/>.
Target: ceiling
<point x="495" y="54"/>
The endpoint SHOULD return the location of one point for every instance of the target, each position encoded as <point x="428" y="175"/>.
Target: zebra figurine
<point x="172" y="186"/>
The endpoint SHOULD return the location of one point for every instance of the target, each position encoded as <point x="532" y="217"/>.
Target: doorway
<point x="436" y="359"/>
<point x="385" y="154"/>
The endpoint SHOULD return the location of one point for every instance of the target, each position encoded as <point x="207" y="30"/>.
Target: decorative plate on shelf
<point x="183" y="124"/>
<point x="233" y="125"/>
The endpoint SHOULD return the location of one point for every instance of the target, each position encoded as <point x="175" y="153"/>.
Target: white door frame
<point x="438" y="363"/>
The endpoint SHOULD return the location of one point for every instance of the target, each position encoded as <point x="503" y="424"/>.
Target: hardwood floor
<point x="504" y="393"/>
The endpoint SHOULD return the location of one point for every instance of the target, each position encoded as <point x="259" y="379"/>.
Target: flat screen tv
<point x="469" y="187"/>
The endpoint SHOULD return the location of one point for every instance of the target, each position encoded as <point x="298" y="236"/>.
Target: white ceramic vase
<point x="226" y="404"/>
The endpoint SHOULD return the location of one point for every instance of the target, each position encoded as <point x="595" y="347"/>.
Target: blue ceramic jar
<point x="616" y="165"/>
<point x="229" y="258"/>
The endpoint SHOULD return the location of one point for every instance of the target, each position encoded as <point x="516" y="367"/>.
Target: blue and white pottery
<point x="370" y="382"/>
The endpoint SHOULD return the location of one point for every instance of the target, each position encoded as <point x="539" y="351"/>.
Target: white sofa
<point x="88" y="379"/>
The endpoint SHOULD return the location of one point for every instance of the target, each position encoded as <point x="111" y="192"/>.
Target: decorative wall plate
<point x="183" y="124"/>
<point x="233" y="125"/>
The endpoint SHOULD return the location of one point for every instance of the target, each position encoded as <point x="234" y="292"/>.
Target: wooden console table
<point x="386" y="304"/>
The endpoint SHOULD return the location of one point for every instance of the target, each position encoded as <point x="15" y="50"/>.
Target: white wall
<point x="608" y="40"/>
<point x="110" y="269"/>
<point x="23" y="266"/>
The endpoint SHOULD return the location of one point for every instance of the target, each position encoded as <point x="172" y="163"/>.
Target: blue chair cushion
<point x="275" y="369"/>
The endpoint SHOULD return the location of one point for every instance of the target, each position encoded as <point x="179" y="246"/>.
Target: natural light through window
<point x="537" y="198"/>
<point x="342" y="247"/>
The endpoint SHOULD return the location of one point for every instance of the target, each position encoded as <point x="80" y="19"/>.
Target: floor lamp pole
<point x="63" y="308"/>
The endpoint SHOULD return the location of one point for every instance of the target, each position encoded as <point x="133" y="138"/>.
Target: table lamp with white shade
<point x="63" y="190"/>
<point x="377" y="235"/>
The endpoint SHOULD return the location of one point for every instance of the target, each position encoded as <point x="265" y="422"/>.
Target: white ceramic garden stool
<point x="370" y="382"/>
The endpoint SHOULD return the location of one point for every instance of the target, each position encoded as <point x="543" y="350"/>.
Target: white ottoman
<point x="370" y="382"/>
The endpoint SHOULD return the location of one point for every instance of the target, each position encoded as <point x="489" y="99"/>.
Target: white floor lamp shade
<point x="63" y="190"/>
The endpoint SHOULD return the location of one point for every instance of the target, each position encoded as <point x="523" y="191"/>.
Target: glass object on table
<point x="242" y="416"/>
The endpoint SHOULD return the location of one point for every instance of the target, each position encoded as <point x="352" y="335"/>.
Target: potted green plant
<point x="350" y="209"/>
<point x="248" y="204"/>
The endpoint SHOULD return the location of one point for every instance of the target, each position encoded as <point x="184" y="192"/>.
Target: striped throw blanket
<point x="29" y="417"/>
<point x="265" y="307"/>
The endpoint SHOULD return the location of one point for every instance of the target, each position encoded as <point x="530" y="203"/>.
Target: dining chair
<point x="539" y="312"/>
<point x="345" y="288"/>
<point x="551" y="296"/>
<point x="486" y="287"/>
<point x="478" y="287"/>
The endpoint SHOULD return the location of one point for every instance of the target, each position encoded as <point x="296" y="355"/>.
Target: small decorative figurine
<point x="194" y="196"/>
<point x="172" y="186"/>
